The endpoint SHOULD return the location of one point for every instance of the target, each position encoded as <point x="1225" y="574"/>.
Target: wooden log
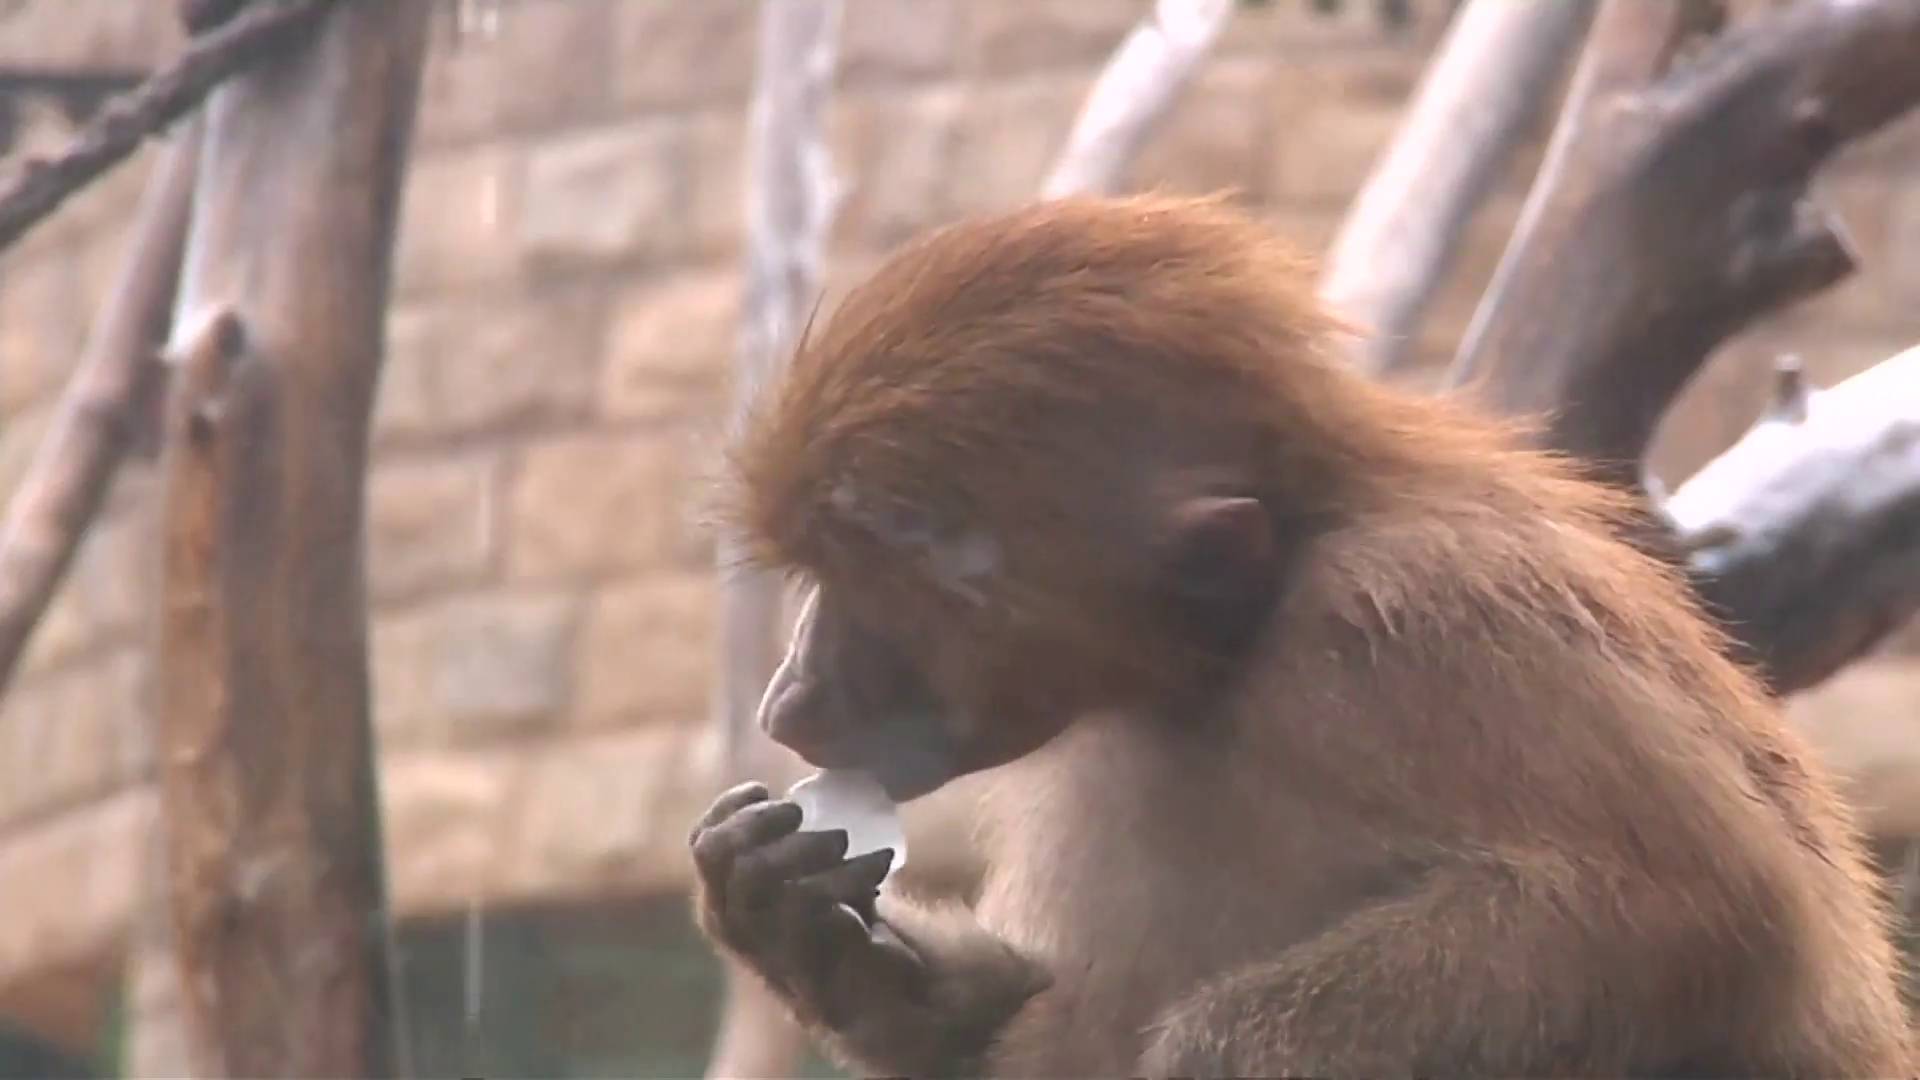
<point x="1805" y="534"/>
<point x="1673" y="208"/>
<point x="274" y="849"/>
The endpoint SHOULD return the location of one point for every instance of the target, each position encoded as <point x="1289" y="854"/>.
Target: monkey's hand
<point x="893" y="990"/>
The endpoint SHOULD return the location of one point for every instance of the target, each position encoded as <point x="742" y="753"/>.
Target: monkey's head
<point x="1037" y="466"/>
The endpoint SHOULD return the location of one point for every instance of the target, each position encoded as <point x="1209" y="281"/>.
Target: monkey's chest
<point x="1129" y="934"/>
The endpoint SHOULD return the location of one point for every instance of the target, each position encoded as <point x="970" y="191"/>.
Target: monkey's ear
<point x="1217" y="549"/>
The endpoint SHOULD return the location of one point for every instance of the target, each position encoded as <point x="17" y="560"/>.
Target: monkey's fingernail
<point x="838" y="837"/>
<point x="803" y="854"/>
<point x="871" y="868"/>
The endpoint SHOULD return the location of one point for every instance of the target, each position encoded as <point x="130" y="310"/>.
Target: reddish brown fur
<point x="1489" y="780"/>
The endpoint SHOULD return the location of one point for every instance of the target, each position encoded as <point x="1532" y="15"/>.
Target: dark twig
<point x="118" y="129"/>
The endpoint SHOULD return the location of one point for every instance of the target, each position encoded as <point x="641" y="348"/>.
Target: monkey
<point x="1322" y="728"/>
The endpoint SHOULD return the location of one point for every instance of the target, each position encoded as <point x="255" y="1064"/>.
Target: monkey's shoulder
<point x="1487" y="617"/>
<point x="1467" y="573"/>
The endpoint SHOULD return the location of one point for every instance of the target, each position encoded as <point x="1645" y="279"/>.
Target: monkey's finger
<point x="759" y="874"/>
<point x="890" y="954"/>
<point x="715" y="849"/>
<point x="817" y="938"/>
<point x="877" y="975"/>
<point x="856" y="881"/>
<point x="731" y="801"/>
<point x="792" y="857"/>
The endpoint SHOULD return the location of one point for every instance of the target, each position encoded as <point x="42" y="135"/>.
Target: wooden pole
<point x="274" y="849"/>
<point x="1487" y="83"/>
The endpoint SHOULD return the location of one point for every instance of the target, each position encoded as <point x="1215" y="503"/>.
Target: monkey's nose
<point x="775" y="700"/>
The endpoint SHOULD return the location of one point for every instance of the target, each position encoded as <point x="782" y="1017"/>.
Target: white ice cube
<point x="852" y="800"/>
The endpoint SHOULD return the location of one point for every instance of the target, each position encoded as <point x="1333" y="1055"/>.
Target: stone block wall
<point x="565" y="309"/>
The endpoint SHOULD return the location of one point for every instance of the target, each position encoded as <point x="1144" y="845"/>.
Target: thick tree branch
<point x="1135" y="91"/>
<point x="1481" y="93"/>
<point x="92" y="430"/>
<point x="274" y="850"/>
<point x="1670" y="214"/>
<point x="38" y="187"/>
<point x="1805" y="535"/>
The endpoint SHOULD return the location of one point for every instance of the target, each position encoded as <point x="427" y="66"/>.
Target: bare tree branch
<point x="791" y="201"/>
<point x="1135" y="91"/>
<point x="39" y="186"/>
<point x="274" y="852"/>
<point x="1480" y="94"/>
<point x="1805" y="535"/>
<point x="1669" y="215"/>
<point x="93" y="427"/>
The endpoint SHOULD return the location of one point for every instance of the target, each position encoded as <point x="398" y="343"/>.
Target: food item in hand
<point x="852" y="800"/>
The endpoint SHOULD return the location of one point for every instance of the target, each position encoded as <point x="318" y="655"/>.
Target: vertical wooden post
<point x="274" y="849"/>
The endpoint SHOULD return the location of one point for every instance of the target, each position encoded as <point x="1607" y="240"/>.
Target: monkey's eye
<point x="960" y="560"/>
<point x="965" y="564"/>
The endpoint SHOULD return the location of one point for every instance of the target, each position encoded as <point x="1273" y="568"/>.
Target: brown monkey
<point x="1331" y="732"/>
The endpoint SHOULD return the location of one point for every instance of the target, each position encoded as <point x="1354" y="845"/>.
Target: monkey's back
<point x="1508" y="589"/>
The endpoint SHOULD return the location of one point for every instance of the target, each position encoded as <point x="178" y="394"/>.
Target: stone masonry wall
<point x="567" y="293"/>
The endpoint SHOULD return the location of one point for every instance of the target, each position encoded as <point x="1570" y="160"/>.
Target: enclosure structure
<point x="567" y="302"/>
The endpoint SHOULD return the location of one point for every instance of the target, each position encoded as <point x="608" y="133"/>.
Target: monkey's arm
<point x="940" y="1022"/>
<point x="1507" y="968"/>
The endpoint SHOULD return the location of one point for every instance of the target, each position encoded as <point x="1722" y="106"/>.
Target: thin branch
<point x="1483" y="90"/>
<point x="40" y="186"/>
<point x="1670" y="215"/>
<point x="1134" y="93"/>
<point x="1805" y="535"/>
<point x="93" y="427"/>
<point x="792" y="197"/>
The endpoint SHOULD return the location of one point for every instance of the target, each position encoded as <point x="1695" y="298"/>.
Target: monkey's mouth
<point x="908" y="756"/>
<point x="905" y="789"/>
<point x="911" y="755"/>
